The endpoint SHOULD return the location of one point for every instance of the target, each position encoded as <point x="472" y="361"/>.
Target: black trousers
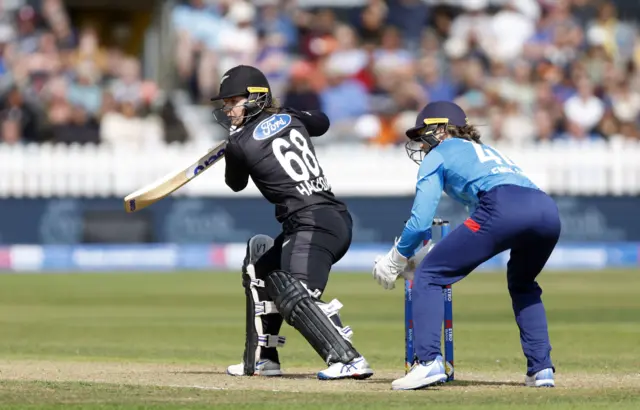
<point x="310" y="244"/>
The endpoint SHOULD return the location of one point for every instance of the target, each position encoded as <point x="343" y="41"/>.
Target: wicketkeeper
<point x="508" y="211"/>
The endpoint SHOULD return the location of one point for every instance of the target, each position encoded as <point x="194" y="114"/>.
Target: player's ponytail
<point x="274" y="107"/>
<point x="467" y="132"/>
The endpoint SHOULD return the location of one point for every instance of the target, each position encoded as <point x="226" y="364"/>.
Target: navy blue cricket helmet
<point x="434" y="117"/>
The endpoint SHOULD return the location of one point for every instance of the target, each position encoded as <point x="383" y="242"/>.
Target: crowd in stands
<point x="522" y="69"/>
<point x="59" y="84"/>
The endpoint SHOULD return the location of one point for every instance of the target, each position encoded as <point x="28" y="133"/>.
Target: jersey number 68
<point x="305" y="162"/>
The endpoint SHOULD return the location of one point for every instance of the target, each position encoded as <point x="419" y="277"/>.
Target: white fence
<point x="576" y="168"/>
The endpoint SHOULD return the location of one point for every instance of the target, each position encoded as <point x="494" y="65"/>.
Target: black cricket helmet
<point x="246" y="81"/>
<point x="431" y="123"/>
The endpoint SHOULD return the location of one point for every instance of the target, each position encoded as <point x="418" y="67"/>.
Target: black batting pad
<point x="299" y="309"/>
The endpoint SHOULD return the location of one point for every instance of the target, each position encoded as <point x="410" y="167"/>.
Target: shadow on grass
<point x="456" y="383"/>
<point x="374" y="380"/>
<point x="484" y="383"/>
<point x="290" y="376"/>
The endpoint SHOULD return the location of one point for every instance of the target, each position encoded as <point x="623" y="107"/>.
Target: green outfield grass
<point x="133" y="341"/>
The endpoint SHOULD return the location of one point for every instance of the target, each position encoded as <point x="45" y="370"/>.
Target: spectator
<point x="174" y="128"/>
<point x="390" y="50"/>
<point x="542" y="44"/>
<point x="407" y="94"/>
<point x="386" y="63"/>
<point x="472" y="96"/>
<point x="239" y="42"/>
<point x="565" y="68"/>
<point x="6" y="36"/>
<point x="366" y="76"/>
<point x="109" y="104"/>
<point x="516" y="18"/>
<point x="89" y="51"/>
<point x="127" y="86"/>
<point x="517" y="127"/>
<point x="584" y="109"/>
<point x="625" y="103"/>
<point x="84" y="91"/>
<point x="274" y="21"/>
<point x="410" y="17"/>
<point x="546" y="99"/>
<point x="273" y="60"/>
<point x="435" y="84"/>
<point x="618" y="38"/>
<point x="584" y="11"/>
<point x="59" y="117"/>
<point x="39" y="65"/>
<point x="197" y="28"/>
<point x="28" y="34"/>
<point x="344" y="98"/>
<point x="596" y="58"/>
<point x="24" y="114"/>
<point x="73" y="124"/>
<point x="54" y="12"/>
<point x="348" y="54"/>
<point x="126" y="127"/>
<point x="609" y="125"/>
<point x="318" y="40"/>
<point x="300" y="94"/>
<point x="577" y="132"/>
<point x="430" y="48"/>
<point x="471" y="29"/>
<point x="630" y="131"/>
<point x="371" y="23"/>
<point x="116" y="59"/>
<point x="53" y="84"/>
<point x="545" y="126"/>
<point x="10" y="131"/>
<point x="517" y="86"/>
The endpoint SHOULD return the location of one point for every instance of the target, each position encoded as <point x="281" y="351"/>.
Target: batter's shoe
<point x="422" y="374"/>
<point x="358" y="369"/>
<point x="264" y="367"/>
<point x="544" y="378"/>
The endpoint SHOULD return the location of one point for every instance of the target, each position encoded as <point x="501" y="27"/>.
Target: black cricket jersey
<point x="276" y="151"/>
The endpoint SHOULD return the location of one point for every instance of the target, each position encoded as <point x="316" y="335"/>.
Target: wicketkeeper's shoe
<point x="544" y="378"/>
<point x="264" y="367"/>
<point x="355" y="369"/>
<point x="422" y="374"/>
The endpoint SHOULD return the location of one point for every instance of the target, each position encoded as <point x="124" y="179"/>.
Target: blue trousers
<point x="524" y="220"/>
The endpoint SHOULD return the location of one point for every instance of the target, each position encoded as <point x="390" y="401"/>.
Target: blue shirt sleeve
<point x="428" y="193"/>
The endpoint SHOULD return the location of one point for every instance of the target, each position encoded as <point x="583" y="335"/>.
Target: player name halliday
<point x="318" y="184"/>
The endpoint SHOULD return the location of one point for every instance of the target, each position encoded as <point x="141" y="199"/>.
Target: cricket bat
<point x="164" y="186"/>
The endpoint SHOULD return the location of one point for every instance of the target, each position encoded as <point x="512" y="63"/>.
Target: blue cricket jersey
<point x="462" y="169"/>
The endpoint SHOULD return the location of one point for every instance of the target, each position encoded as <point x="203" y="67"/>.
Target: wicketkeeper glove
<point x="387" y="268"/>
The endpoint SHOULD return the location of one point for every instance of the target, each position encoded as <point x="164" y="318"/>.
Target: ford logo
<point x="271" y="126"/>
